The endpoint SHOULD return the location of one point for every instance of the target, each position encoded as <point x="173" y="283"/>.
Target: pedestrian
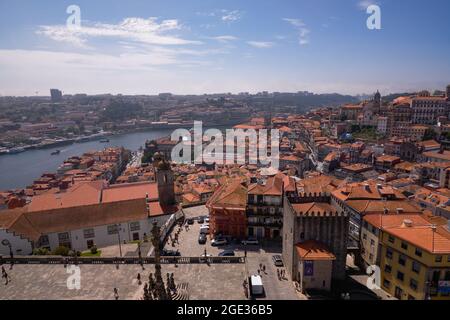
<point x="3" y="270"/>
<point x="116" y="294"/>
<point x="259" y="271"/>
<point x="139" y="278"/>
<point x="5" y="275"/>
<point x="264" y="268"/>
<point x="278" y="273"/>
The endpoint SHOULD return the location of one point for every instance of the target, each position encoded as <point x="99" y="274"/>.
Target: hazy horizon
<point x="198" y="47"/>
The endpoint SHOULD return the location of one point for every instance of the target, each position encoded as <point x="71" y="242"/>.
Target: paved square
<point x="256" y="254"/>
<point x="42" y="282"/>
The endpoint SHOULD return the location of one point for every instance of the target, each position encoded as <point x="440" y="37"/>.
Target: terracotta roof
<point x="445" y="155"/>
<point x="424" y="237"/>
<point x="273" y="186"/>
<point x="34" y="224"/>
<point x="314" y="250"/>
<point x="231" y="194"/>
<point x="390" y="220"/>
<point x="128" y="191"/>
<point x="80" y="194"/>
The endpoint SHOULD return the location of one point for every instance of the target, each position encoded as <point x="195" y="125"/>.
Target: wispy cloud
<point x="231" y="15"/>
<point x="300" y="26"/>
<point x="261" y="44"/>
<point x="225" y="38"/>
<point x="364" y="4"/>
<point x="148" y="31"/>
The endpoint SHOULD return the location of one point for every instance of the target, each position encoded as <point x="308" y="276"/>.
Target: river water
<point x="21" y="169"/>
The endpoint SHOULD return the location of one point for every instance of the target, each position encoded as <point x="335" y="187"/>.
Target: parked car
<point x="190" y="221"/>
<point x="200" y="220"/>
<point x="227" y="253"/>
<point x="250" y="241"/>
<point x="207" y="220"/>
<point x="277" y="261"/>
<point x="219" y="242"/>
<point x="204" y="229"/>
<point x="202" y="238"/>
<point x="170" y="253"/>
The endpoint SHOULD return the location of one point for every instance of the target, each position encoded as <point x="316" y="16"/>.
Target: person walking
<point x="116" y="293"/>
<point x="139" y="278"/>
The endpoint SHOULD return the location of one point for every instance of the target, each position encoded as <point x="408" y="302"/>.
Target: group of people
<point x="262" y="268"/>
<point x="281" y="274"/>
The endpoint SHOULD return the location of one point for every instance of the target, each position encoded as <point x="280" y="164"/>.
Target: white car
<point x="250" y="241"/>
<point x="207" y="220"/>
<point x="219" y="242"/>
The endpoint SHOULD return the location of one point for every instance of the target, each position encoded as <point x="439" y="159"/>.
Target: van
<point x="257" y="288"/>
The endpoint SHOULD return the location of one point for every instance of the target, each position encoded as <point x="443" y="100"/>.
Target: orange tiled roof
<point x="128" y="191"/>
<point x="314" y="250"/>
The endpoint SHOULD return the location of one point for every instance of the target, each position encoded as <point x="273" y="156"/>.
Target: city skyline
<point x="223" y="46"/>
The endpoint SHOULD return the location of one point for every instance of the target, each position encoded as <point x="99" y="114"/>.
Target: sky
<point x="206" y="46"/>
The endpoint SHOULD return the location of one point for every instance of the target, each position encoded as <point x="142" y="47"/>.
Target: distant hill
<point x="393" y="96"/>
<point x="302" y="100"/>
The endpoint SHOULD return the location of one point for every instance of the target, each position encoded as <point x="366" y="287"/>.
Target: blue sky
<point x="205" y="46"/>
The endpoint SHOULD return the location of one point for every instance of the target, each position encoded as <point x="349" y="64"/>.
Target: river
<point x="21" y="169"/>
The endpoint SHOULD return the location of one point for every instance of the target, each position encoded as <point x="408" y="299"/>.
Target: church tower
<point x="377" y="99"/>
<point x="165" y="180"/>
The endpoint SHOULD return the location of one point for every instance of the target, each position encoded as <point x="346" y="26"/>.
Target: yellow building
<point x="415" y="261"/>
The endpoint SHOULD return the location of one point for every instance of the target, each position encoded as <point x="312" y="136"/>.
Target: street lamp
<point x="118" y="236"/>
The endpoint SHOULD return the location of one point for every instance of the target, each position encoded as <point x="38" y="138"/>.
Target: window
<point x="386" y="283"/>
<point x="391" y="239"/>
<point x="400" y="276"/>
<point x="63" y="237"/>
<point x="402" y="259"/>
<point x="415" y="267"/>
<point x="404" y="245"/>
<point x="418" y="252"/>
<point x="438" y="259"/>
<point x="389" y="253"/>
<point x="89" y="233"/>
<point x="413" y="284"/>
<point x="112" y="229"/>
<point x="44" y="241"/>
<point x="372" y="242"/>
<point x="135" y="226"/>
<point x="364" y="236"/>
<point x="387" y="268"/>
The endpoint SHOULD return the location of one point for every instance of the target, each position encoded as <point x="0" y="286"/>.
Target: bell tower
<point x="165" y="182"/>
